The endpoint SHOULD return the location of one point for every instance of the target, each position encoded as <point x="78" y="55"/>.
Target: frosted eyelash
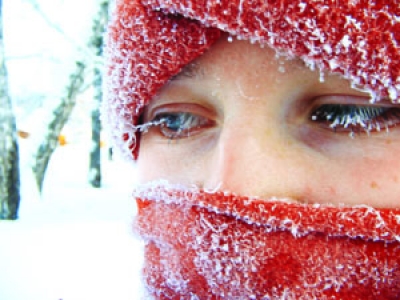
<point x="367" y="118"/>
<point x="142" y="128"/>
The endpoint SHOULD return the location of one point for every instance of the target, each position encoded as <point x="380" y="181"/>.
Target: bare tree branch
<point x="96" y="43"/>
<point x="81" y="47"/>
<point x="59" y="118"/>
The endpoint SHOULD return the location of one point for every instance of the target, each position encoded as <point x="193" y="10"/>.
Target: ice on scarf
<point x="225" y="245"/>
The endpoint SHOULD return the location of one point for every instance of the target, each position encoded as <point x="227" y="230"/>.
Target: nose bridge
<point x="242" y="162"/>
<point x="253" y="160"/>
<point x="254" y="154"/>
<point x="227" y="160"/>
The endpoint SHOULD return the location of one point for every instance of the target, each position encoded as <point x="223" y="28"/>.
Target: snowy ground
<point x="75" y="241"/>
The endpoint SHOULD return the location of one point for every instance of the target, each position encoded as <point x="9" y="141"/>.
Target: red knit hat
<point x="149" y="41"/>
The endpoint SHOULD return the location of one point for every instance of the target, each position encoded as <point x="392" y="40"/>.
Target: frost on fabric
<point x="149" y="41"/>
<point x="359" y="39"/>
<point x="218" y="245"/>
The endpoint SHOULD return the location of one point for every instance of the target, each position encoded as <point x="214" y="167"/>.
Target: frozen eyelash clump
<point x="143" y="128"/>
<point x="356" y="119"/>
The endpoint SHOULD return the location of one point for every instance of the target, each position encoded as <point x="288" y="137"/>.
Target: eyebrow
<point x="192" y="70"/>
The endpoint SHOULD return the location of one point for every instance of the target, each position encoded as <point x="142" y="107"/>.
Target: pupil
<point x="174" y="122"/>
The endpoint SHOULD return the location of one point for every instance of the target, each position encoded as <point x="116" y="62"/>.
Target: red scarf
<point x="217" y="245"/>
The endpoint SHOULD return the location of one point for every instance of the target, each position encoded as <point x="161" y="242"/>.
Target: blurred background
<point x="65" y="205"/>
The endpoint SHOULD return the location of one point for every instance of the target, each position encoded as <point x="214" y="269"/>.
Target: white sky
<point x="39" y="58"/>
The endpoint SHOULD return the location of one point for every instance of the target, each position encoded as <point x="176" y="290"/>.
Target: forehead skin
<point x="228" y="63"/>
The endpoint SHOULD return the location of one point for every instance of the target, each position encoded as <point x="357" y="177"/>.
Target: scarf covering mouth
<point x="149" y="41"/>
<point x="218" y="245"/>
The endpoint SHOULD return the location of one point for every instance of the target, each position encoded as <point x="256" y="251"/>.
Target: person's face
<point x="242" y="120"/>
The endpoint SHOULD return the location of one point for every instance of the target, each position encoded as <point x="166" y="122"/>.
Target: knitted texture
<point x="149" y="41"/>
<point x="202" y="245"/>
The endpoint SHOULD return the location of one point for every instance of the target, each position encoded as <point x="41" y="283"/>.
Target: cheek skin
<point x="356" y="181"/>
<point x="359" y="170"/>
<point x="175" y="161"/>
<point x="377" y="181"/>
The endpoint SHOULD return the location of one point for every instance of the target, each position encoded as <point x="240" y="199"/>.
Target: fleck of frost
<point x="321" y="76"/>
<point x="392" y="93"/>
<point x="398" y="219"/>
<point x="333" y="64"/>
<point x="302" y="6"/>
<point x="346" y="41"/>
<point x="225" y="247"/>
<point x="327" y="48"/>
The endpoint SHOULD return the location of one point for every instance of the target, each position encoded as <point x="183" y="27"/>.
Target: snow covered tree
<point x="9" y="157"/>
<point x="63" y="110"/>
<point x="59" y="117"/>
<point x="97" y="44"/>
<point x="95" y="154"/>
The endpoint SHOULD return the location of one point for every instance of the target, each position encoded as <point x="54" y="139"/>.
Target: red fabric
<point x="149" y="41"/>
<point x="203" y="245"/>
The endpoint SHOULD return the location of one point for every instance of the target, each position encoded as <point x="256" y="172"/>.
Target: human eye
<point x="178" y="125"/>
<point x="355" y="118"/>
